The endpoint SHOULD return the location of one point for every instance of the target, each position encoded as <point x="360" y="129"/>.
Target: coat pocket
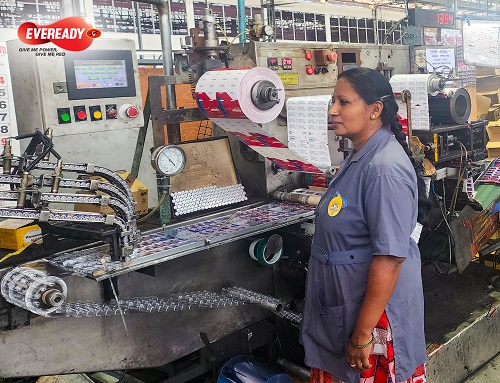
<point x="325" y="325"/>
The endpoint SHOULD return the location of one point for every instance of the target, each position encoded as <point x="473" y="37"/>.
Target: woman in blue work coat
<point x="363" y="319"/>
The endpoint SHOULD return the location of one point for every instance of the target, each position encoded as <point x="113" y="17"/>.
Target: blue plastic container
<point x="244" y="369"/>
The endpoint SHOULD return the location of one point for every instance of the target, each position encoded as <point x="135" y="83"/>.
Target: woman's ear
<point x="377" y="108"/>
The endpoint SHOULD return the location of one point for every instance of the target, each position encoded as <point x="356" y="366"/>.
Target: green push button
<point x="63" y="115"/>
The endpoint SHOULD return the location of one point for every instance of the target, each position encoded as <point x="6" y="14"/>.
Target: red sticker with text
<point x="71" y="33"/>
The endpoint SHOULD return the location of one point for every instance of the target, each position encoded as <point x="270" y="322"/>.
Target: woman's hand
<point x="358" y="358"/>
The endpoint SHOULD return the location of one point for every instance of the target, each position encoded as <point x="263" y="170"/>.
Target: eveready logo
<point x="71" y="33"/>
<point x="54" y="33"/>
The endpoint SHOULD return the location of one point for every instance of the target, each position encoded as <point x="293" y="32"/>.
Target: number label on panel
<point x="4" y="117"/>
<point x="4" y="129"/>
<point x="3" y="79"/>
<point x="3" y="92"/>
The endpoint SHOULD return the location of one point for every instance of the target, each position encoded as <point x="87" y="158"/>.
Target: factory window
<point x="320" y="28"/>
<point x="7" y="16"/>
<point x="124" y="16"/>
<point x="178" y="16"/>
<point x="119" y="16"/>
<point x="41" y="12"/>
<point x="299" y="26"/>
<point x="103" y="15"/>
<point x="353" y="30"/>
<point x="146" y="16"/>
<point x="287" y="24"/>
<point x="389" y="32"/>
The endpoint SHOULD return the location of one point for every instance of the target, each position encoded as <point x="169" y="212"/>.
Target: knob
<point x="309" y="70"/>
<point x="131" y="112"/>
<point x="309" y="56"/>
<point x="111" y="113"/>
<point x="332" y="56"/>
<point x="128" y="111"/>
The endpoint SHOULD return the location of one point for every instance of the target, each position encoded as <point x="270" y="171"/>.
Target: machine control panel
<point x="95" y="90"/>
<point x="306" y="67"/>
<point x="310" y="66"/>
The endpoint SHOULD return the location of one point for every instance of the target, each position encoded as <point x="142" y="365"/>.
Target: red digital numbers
<point x="445" y="19"/>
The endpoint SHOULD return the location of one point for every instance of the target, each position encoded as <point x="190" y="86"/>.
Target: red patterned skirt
<point x="381" y="359"/>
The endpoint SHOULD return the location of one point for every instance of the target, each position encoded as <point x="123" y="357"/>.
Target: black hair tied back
<point x="372" y="86"/>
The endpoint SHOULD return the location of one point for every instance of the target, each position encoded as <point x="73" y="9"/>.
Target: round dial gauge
<point x="168" y="160"/>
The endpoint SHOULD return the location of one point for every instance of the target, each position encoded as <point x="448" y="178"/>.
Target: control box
<point x="94" y="90"/>
<point x="311" y="68"/>
<point x="443" y="143"/>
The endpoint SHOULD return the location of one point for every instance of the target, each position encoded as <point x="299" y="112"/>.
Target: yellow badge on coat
<point x="336" y="205"/>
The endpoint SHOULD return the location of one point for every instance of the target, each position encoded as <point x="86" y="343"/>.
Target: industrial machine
<point x="107" y="292"/>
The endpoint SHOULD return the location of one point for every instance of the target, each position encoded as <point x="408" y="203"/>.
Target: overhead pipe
<point x="166" y="46"/>
<point x="139" y="26"/>
<point x="242" y="20"/>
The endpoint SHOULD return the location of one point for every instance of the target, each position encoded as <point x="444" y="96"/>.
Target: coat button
<point x="351" y="256"/>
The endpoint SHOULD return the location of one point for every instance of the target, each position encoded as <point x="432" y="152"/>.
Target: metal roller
<point x="451" y="106"/>
<point x="33" y="290"/>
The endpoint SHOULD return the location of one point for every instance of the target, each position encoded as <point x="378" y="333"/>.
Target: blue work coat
<point x="369" y="209"/>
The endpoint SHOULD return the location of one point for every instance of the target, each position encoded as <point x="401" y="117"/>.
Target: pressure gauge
<point x="168" y="160"/>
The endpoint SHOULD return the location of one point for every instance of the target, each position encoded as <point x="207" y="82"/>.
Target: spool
<point x="244" y="369"/>
<point x="33" y="290"/>
<point x="450" y="106"/>
<point x="266" y="251"/>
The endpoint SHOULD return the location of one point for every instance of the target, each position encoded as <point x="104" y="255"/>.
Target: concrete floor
<point x="490" y="372"/>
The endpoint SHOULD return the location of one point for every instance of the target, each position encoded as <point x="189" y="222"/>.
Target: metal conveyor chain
<point x="229" y="297"/>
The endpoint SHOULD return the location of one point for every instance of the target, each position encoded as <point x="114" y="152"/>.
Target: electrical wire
<point x="461" y="173"/>
<point x="223" y="32"/>
<point x="238" y="35"/>
<point x="160" y="202"/>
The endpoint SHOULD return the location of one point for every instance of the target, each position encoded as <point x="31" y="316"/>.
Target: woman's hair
<point x="372" y="86"/>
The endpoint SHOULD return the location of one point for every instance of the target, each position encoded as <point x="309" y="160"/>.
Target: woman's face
<point x="348" y="114"/>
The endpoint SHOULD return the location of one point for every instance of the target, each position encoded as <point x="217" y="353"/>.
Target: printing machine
<point x="146" y="295"/>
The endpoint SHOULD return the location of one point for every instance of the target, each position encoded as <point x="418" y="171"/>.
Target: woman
<point x="363" y="319"/>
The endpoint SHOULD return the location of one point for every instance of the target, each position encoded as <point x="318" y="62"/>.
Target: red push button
<point x="132" y="112"/>
<point x="309" y="56"/>
<point x="332" y="56"/>
<point x="81" y="115"/>
<point x="309" y="70"/>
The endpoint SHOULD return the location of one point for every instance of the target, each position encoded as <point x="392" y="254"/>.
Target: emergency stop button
<point x="128" y="112"/>
<point x="132" y="112"/>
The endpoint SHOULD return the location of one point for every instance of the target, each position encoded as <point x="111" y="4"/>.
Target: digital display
<point x="429" y="18"/>
<point x="286" y="63"/>
<point x="272" y="63"/>
<point x="92" y="74"/>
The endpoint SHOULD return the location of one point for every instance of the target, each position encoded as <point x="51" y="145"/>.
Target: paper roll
<point x="238" y="100"/>
<point x="420" y="86"/>
<point x="256" y="94"/>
